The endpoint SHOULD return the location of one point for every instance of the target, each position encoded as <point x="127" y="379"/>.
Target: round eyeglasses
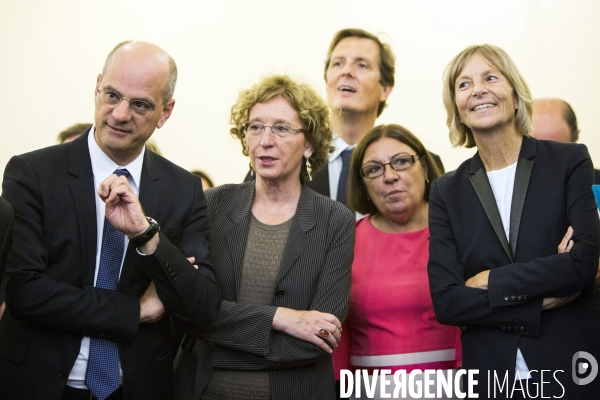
<point x="280" y="129"/>
<point x="375" y="170"/>
<point x="111" y="99"/>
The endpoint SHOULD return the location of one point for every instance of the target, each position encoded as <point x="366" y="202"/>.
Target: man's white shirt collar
<point x="103" y="165"/>
<point x="340" y="145"/>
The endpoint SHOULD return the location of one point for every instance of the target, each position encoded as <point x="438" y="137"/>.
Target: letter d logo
<point x="583" y="367"/>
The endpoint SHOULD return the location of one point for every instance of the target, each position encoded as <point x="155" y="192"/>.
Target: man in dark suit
<point x="554" y="119"/>
<point x="6" y="222"/>
<point x="359" y="77"/>
<point x="89" y="275"/>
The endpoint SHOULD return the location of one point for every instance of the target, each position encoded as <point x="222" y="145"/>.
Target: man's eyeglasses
<point x="280" y="129"/>
<point x="375" y="170"/>
<point x="111" y="99"/>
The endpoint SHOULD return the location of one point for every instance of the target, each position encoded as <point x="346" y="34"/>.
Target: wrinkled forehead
<point x="137" y="74"/>
<point x="356" y="47"/>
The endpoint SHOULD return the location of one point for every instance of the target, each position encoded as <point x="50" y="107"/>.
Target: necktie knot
<point x="122" y="172"/>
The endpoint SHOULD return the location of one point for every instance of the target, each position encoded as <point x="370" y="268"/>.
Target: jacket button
<point x="167" y="264"/>
<point x="279" y="292"/>
<point x="509" y="329"/>
<point x="519" y="298"/>
<point x="513" y="297"/>
<point x="522" y="329"/>
<point x="174" y="277"/>
<point x="524" y="297"/>
<point x="63" y="374"/>
<point x="503" y="328"/>
<point x="506" y="298"/>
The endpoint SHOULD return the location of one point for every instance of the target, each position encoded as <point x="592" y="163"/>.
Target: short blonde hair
<point x="312" y="110"/>
<point x="460" y="134"/>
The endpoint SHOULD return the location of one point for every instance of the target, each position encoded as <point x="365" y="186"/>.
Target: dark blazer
<point x="314" y="275"/>
<point x="551" y="193"/>
<point x="597" y="176"/>
<point x="6" y="222"/>
<point x="320" y="182"/>
<point x="51" y="301"/>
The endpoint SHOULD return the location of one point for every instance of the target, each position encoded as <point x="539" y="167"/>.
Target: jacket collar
<point x="481" y="185"/>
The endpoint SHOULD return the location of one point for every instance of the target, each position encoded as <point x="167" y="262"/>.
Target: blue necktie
<point x="341" y="193"/>
<point x="102" y="375"/>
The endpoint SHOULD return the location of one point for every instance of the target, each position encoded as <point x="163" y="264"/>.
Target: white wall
<point x="51" y="52"/>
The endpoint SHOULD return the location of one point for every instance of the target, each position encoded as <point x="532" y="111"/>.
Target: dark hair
<point x="571" y="120"/>
<point x="73" y="130"/>
<point x="387" y="60"/>
<point x="203" y="175"/>
<point x="358" y="197"/>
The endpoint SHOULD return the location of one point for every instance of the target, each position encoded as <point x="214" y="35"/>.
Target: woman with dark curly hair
<point x="281" y="254"/>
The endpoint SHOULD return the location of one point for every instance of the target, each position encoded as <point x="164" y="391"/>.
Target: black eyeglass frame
<point x="121" y="98"/>
<point x="414" y="158"/>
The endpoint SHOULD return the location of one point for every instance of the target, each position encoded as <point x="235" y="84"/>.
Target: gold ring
<point x="324" y="333"/>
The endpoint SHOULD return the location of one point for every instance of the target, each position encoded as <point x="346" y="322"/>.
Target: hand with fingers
<point x="123" y="209"/>
<point x="151" y="308"/>
<point x="565" y="246"/>
<point x="480" y="281"/>
<point x="321" y="329"/>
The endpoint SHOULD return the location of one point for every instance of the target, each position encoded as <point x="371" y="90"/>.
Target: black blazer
<point x="51" y="301"/>
<point x="314" y="275"/>
<point x="551" y="193"/>
<point x="6" y="222"/>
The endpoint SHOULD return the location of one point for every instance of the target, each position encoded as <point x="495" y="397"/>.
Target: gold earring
<point x="251" y="169"/>
<point x="308" y="169"/>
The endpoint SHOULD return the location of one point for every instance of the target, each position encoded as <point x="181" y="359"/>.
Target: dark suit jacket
<point x="597" y="176"/>
<point x="320" y="182"/>
<point x="551" y="193"/>
<point x="6" y="222"/>
<point x="314" y="275"/>
<point x="51" y="301"/>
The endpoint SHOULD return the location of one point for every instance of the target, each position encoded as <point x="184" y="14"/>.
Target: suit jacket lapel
<point x="524" y="167"/>
<point x="237" y="235"/>
<point x="303" y="221"/>
<point x="149" y="196"/>
<point x="482" y="187"/>
<point x="84" y="200"/>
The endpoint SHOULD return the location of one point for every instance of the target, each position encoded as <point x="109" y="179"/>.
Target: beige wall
<point x="51" y="52"/>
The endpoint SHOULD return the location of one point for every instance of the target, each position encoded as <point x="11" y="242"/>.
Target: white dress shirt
<point x="102" y="167"/>
<point x="502" y="182"/>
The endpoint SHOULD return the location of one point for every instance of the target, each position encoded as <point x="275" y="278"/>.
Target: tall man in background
<point x="359" y="77"/>
<point x="89" y="275"/>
